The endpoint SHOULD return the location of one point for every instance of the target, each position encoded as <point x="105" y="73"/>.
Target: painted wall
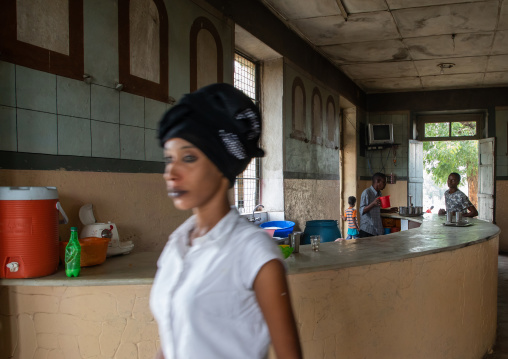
<point x="272" y="165"/>
<point x="311" y="170"/>
<point x="397" y="192"/>
<point x="77" y="322"/>
<point x="136" y="202"/>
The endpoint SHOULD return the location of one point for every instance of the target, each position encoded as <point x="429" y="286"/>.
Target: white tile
<point x="73" y="97"/>
<point x="132" y="109"/>
<point x="153" y="152"/>
<point x="35" y="90"/>
<point x="105" y="104"/>
<point x="105" y="139"/>
<point x="37" y="132"/>
<point x="8" y="136"/>
<point x="7" y="84"/>
<point x="132" y="142"/>
<point x="74" y="136"/>
<point x="153" y="112"/>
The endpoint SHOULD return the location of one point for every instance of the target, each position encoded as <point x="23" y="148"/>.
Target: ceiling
<point x="396" y="45"/>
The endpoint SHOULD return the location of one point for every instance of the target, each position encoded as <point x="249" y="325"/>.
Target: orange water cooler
<point x="29" y="218"/>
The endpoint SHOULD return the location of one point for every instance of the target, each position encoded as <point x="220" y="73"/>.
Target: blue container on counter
<point x="284" y="227"/>
<point x="328" y="229"/>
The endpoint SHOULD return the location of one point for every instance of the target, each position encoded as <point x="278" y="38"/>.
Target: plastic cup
<point x="385" y="201"/>
<point x="314" y="242"/>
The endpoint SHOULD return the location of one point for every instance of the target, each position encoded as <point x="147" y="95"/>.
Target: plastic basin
<point x="328" y="229"/>
<point x="282" y="228"/>
<point x="93" y="251"/>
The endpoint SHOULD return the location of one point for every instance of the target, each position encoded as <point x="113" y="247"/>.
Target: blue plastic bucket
<point x="326" y="228"/>
<point x="284" y="228"/>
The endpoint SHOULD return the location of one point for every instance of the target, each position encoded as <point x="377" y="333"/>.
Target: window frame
<point x="422" y="120"/>
<point x="257" y="164"/>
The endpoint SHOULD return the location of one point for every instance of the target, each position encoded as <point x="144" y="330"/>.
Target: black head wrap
<point x="222" y="122"/>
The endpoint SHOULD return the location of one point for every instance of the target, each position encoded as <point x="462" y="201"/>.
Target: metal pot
<point x="419" y="210"/>
<point x="403" y="211"/>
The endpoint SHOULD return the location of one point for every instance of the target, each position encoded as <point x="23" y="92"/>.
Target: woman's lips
<point x="176" y="193"/>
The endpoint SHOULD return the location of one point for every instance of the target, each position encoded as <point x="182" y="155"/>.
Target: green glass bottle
<point x="73" y="255"/>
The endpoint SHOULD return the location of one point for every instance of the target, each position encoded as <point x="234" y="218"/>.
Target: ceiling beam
<point x="459" y="99"/>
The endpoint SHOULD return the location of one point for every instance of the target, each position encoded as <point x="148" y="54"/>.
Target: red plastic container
<point x="29" y="231"/>
<point x="385" y="201"/>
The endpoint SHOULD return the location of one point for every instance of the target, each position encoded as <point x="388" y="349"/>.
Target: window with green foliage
<point x="450" y="127"/>
<point x="451" y="145"/>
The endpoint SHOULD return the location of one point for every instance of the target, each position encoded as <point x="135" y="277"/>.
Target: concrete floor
<point x="501" y="346"/>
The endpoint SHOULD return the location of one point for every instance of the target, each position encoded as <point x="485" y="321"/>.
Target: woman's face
<point x="192" y="180"/>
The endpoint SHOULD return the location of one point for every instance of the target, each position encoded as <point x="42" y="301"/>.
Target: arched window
<point x="143" y="48"/>
<point x="206" y="54"/>
<point x="43" y="35"/>
<point x="317" y="117"/>
<point x="298" y="113"/>
<point x="331" y="122"/>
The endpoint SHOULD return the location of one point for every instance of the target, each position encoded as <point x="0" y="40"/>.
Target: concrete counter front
<point x="425" y="293"/>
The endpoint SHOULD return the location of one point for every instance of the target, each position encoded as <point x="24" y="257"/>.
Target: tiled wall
<point x="383" y="160"/>
<point x="50" y="114"/>
<point x="44" y="113"/>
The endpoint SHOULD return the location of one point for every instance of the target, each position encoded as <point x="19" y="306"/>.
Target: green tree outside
<point x="440" y="158"/>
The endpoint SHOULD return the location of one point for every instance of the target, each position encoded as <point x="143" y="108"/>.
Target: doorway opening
<point x="440" y="158"/>
<point x="454" y="142"/>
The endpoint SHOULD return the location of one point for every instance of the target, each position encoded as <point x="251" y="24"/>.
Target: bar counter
<point x="429" y="292"/>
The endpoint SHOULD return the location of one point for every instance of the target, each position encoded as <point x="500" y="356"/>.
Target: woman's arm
<point x="272" y="295"/>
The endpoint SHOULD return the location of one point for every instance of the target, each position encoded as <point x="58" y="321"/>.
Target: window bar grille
<point x="247" y="185"/>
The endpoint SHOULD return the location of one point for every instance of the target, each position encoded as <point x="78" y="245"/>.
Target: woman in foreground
<point x="220" y="290"/>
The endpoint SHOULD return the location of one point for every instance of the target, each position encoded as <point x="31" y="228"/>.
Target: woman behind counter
<point x="220" y="290"/>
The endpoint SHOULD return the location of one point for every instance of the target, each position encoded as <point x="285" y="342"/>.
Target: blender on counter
<point x="105" y="230"/>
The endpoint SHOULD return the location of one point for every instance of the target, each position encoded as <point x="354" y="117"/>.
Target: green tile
<point x="73" y="97"/>
<point x="105" y="139"/>
<point x="8" y="138"/>
<point x="74" y="136"/>
<point x="35" y="90"/>
<point x="132" y="141"/>
<point x="132" y="109"/>
<point x="153" y="112"/>
<point x="502" y="160"/>
<point x="105" y="104"/>
<point x="37" y="132"/>
<point x="153" y="152"/>
<point x="502" y="171"/>
<point x="7" y="84"/>
<point x="100" y="32"/>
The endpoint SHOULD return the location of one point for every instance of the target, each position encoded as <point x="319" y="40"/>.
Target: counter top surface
<point x="431" y="237"/>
